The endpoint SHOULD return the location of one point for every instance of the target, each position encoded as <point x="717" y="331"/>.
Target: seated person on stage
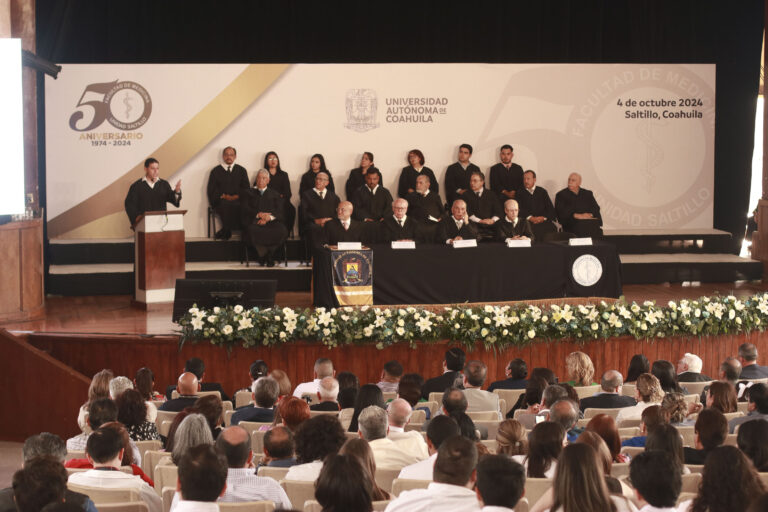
<point x="512" y="227"/>
<point x="280" y="183"/>
<point x="372" y="201"/>
<point x="456" y="226"/>
<point x="224" y="185"/>
<point x="483" y="207"/>
<point x="457" y="174"/>
<point x="357" y="175"/>
<point x="150" y="193"/>
<point x="344" y="228"/>
<point x="409" y="175"/>
<point x="425" y="206"/>
<point x="262" y="210"/>
<point x="318" y="206"/>
<point x="398" y="226"/>
<point x="197" y="366"/>
<point x="575" y="204"/>
<point x="536" y="206"/>
<point x="506" y="177"/>
<point x="316" y="165"/>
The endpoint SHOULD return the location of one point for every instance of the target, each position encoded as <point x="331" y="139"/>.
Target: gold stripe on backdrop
<point x="354" y="295"/>
<point x="173" y="153"/>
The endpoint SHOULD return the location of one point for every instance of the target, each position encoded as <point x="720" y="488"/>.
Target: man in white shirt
<point x="101" y="411"/>
<point x="477" y="399"/>
<point x="388" y="454"/>
<point x="398" y="415"/>
<point x="105" y="451"/>
<point x="202" y="479"/>
<point x="440" y="429"/>
<point x="390" y="377"/>
<point x="323" y="368"/>
<point x="454" y="477"/>
<point x="657" y="481"/>
<point x="242" y="483"/>
<point x="500" y="483"/>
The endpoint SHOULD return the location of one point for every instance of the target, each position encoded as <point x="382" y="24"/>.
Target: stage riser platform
<point x="655" y="273"/>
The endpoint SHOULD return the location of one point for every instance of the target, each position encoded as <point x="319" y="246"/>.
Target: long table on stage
<point x="440" y="274"/>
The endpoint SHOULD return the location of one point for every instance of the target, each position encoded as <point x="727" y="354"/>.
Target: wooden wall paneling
<point x="32" y="295"/>
<point x="10" y="291"/>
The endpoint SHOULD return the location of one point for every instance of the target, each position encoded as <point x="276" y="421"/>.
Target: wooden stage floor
<point x="113" y="314"/>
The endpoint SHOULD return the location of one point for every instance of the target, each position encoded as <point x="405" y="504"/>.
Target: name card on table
<point x="459" y="244"/>
<point x="518" y="243"/>
<point x="580" y="241"/>
<point x="404" y="244"/>
<point x="349" y="246"/>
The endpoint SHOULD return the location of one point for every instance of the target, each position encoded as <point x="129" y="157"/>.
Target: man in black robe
<point x="577" y="210"/>
<point x="343" y="228"/>
<point x="399" y="226"/>
<point x="224" y="185"/>
<point x="506" y="177"/>
<point x="426" y="208"/>
<point x="536" y="207"/>
<point x="512" y="226"/>
<point x="457" y="174"/>
<point x="318" y="206"/>
<point x="150" y="193"/>
<point x="483" y="207"/>
<point x="262" y="210"/>
<point x="456" y="226"/>
<point x="372" y="203"/>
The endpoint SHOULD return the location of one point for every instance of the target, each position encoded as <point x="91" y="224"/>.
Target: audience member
<point x="212" y="409"/>
<point x="666" y="438"/>
<point x="605" y="426"/>
<point x="258" y="369"/>
<point x="566" y="413"/>
<point x="105" y="450"/>
<point x="278" y="448"/>
<point x="637" y="366"/>
<point x="647" y="392"/>
<point x="202" y="479"/>
<point x="551" y="394"/>
<point x="347" y="380"/>
<point x="144" y="383"/>
<point x="323" y="368"/>
<point x="264" y="392"/>
<point x="511" y="438"/>
<point x="242" y="484"/>
<point x="650" y="418"/>
<point x="390" y="377"/>
<point x="500" y="483"/>
<point x="676" y="409"/>
<point x="529" y="402"/>
<point x="665" y="372"/>
<point x="369" y="394"/>
<point x="729" y="483"/>
<point x="348" y="387"/>
<point x="315" y="439"/>
<point x="41" y="481"/>
<point x="579" y="369"/>
<point x="132" y="412"/>
<point x="452" y="366"/>
<point x="99" y="388"/>
<point x="187" y="387"/>
<point x="196" y="366"/>
<point x="177" y="419"/>
<point x="477" y="399"/>
<point x="118" y="385"/>
<point x="545" y="442"/>
<point x="192" y="431"/>
<point x="292" y="412"/>
<point x="730" y="369"/>
<point x="710" y="432"/>
<point x="453" y="478"/>
<point x="656" y="478"/>
<point x="387" y="453"/>
<point x="467" y="426"/>
<point x="516" y="372"/>
<point x="409" y="389"/>
<point x="689" y="369"/>
<point x="610" y="396"/>
<point x="343" y="485"/>
<point x="721" y="396"/>
<point x="615" y="486"/>
<point x="399" y="415"/>
<point x="327" y="393"/>
<point x="283" y="383"/>
<point x="360" y="449"/>
<point x="752" y="439"/>
<point x="440" y="428"/>
<point x="100" y="411"/>
<point x="748" y="359"/>
<point x="757" y="406"/>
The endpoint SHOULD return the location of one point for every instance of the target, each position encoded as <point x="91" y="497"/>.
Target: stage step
<point x="682" y="267"/>
<point x="698" y="241"/>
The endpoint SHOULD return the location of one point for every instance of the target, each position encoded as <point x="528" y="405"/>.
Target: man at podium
<point x="150" y="193"/>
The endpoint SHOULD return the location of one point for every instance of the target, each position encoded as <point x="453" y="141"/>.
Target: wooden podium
<point x="159" y="257"/>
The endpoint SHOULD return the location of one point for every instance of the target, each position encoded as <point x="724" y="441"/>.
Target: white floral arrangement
<point x="495" y="326"/>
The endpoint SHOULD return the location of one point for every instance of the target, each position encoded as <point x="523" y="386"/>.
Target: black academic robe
<point x="447" y="229"/>
<point x="485" y="206"/>
<point x="390" y="230"/>
<point x="506" y="229"/>
<point x="273" y="233"/>
<point x="308" y="182"/>
<point x="455" y="178"/>
<point x="143" y="198"/>
<point x="537" y="204"/>
<point x="231" y="183"/>
<point x="311" y="208"/>
<point x="506" y="179"/>
<point x="281" y="184"/>
<point x="335" y="232"/>
<point x="356" y="180"/>
<point x="368" y="205"/>
<point x="408" y="180"/>
<point x="567" y="203"/>
<point x="421" y="207"/>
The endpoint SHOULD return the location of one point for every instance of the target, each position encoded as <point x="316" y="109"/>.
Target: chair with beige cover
<point x="688" y="435"/>
<point x="432" y="406"/>
<point x="127" y="506"/>
<point x="164" y="416"/>
<point x="314" y="506"/>
<point x="632" y="451"/>
<point x="436" y="397"/>
<point x="145" y="446"/>
<point x="389" y="395"/>
<point x="74" y="454"/>
<point x="418" y="416"/>
<point x="631" y="422"/>
<point x="763" y="478"/>
<point x="165" y="476"/>
<point x="413" y="426"/>
<point x="167" y="495"/>
<point x="124" y="469"/>
<point x="691" y="482"/>
<point x="242" y="398"/>
<point x="253" y="426"/>
<point x="695" y="468"/>
<point x="273" y="472"/>
<point x="491" y="444"/>
<point x="629" y="390"/>
<point x="732" y="415"/>
<point x="247" y="506"/>
<point x="384" y="477"/>
<point x="100" y="495"/>
<point x="619" y="469"/>
<point x="405" y="484"/>
<point x="164" y="428"/>
<point x="523" y="505"/>
<point x="228" y="418"/>
<point x="742" y="407"/>
<point x="491" y="425"/>
<point x="586" y="391"/>
<point x="536" y="487"/>
<point x="257" y="441"/>
<point x="483" y="415"/>
<point x="175" y="394"/>
<point x="312" y="414"/>
<point x="298" y="492"/>
<point x="150" y="460"/>
<point x="510" y="397"/>
<point x="685" y="496"/>
<point x="591" y="412"/>
<point x="693" y="399"/>
<point x="730" y="440"/>
<point x="696" y="388"/>
<point x="345" y="417"/>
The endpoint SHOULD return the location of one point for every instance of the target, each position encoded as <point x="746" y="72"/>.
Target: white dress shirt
<point x="411" y="441"/>
<point x="421" y="470"/>
<point x="77" y="444"/>
<point x="244" y="485"/>
<point x="115" y="479"/>
<point x="633" y="412"/>
<point x="436" y="497"/>
<point x="196" y="506"/>
<point x="494" y="508"/>
<point x="310" y="388"/>
<point x="389" y="454"/>
<point x="305" y="472"/>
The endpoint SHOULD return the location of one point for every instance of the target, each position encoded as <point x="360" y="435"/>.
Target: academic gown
<point x="143" y="198"/>
<point x="506" y="179"/>
<point x="270" y="235"/>
<point x="408" y="180"/>
<point x="281" y="183"/>
<point x="567" y="203"/>
<point x="356" y="180"/>
<point x="221" y="181"/>
<point x="455" y="178"/>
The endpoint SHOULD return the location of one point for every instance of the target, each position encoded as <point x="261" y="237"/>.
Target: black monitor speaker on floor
<point x="208" y="293"/>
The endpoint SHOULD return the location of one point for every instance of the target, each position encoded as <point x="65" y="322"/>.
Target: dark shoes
<point x="223" y="234"/>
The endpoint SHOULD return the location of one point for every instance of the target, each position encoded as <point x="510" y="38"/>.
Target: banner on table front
<point x="642" y="136"/>
<point x="353" y="277"/>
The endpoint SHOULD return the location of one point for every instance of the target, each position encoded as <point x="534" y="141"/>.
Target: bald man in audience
<point x="388" y="454"/>
<point x="610" y="396"/>
<point x="187" y="387"/>
<point x="278" y="448"/>
<point x="399" y="415"/>
<point x="327" y="392"/>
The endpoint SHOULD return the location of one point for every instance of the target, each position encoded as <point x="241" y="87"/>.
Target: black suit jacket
<point x="442" y="382"/>
<point x="505" y="229"/>
<point x="335" y="232"/>
<point x="390" y="230"/>
<point x="205" y="386"/>
<point x="312" y="207"/>
<point x="447" y="229"/>
<point x="606" y="401"/>
<point x="221" y="181"/>
<point x="754" y="371"/>
<point x="371" y="206"/>
<point x="692" y="377"/>
<point x="308" y="182"/>
<point x="483" y="207"/>
<point x="421" y="207"/>
<point x="356" y="180"/>
<point x="408" y="180"/>
<point x="253" y="202"/>
<point x="455" y="178"/>
<point x="506" y="179"/>
<point x="537" y="204"/>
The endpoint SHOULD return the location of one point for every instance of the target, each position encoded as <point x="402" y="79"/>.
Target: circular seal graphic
<point x="129" y="105"/>
<point x="587" y="270"/>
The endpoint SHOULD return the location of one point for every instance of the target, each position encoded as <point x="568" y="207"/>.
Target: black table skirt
<point x="440" y="274"/>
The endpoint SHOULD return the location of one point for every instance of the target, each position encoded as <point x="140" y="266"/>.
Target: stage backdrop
<point x="642" y="136"/>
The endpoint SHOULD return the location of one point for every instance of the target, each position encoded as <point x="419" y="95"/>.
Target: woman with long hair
<point x="360" y="449"/>
<point x="144" y="383"/>
<point x="638" y="365"/>
<point x="316" y="164"/>
<point x="666" y="438"/>
<point x="132" y="412"/>
<point x="752" y="439"/>
<point x="545" y="442"/>
<point x="729" y="483"/>
<point x="99" y="388"/>
<point x="580" y="369"/>
<point x="665" y="372"/>
<point x="511" y="438"/>
<point x="722" y="396"/>
<point x="675" y="408"/>
<point x="368" y="394"/>
<point x="343" y="486"/>
<point x="605" y="426"/>
<point x="280" y="182"/>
